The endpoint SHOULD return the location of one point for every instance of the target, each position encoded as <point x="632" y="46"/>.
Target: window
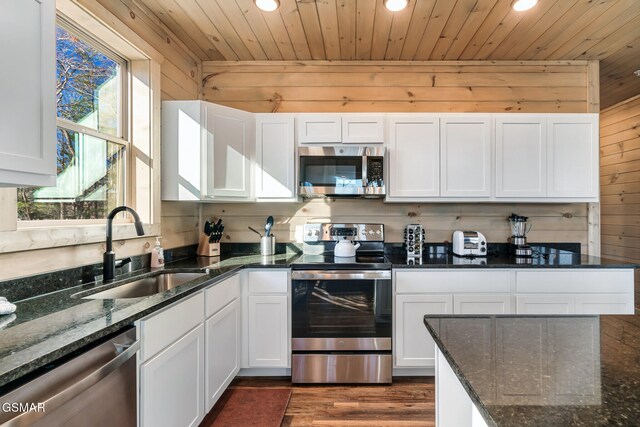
<point x="92" y="144"/>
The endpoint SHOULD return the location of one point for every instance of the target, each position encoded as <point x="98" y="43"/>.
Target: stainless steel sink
<point x="147" y="286"/>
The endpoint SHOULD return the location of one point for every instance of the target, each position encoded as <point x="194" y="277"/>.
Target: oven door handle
<point x="341" y="275"/>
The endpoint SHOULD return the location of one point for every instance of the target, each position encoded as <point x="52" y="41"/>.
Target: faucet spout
<point x="109" y="257"/>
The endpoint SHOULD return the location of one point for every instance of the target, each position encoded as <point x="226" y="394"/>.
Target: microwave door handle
<point x="365" y="180"/>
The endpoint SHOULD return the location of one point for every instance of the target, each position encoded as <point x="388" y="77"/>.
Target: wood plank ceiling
<point x="235" y="30"/>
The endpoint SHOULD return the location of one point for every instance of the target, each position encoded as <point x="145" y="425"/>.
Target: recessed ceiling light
<point x="395" y="5"/>
<point x="522" y="5"/>
<point x="267" y="5"/>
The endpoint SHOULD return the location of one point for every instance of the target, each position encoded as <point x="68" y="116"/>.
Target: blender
<point x="519" y="230"/>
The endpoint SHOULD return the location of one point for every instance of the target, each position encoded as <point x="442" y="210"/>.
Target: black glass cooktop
<point x="328" y="261"/>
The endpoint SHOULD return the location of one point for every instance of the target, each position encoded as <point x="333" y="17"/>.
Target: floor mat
<point x="264" y="407"/>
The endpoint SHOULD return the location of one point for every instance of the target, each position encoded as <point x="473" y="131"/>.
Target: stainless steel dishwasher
<point x="97" y="388"/>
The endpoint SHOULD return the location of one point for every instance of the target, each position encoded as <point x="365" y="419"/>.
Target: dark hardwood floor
<point x="406" y="402"/>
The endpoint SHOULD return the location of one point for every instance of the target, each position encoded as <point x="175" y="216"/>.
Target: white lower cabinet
<point x="222" y="352"/>
<point x="604" y="303"/>
<point x="545" y="304"/>
<point x="482" y="304"/>
<point x="172" y="384"/>
<point x="267" y="319"/>
<point x="268" y="331"/>
<point x="413" y="346"/>
<point x="497" y="291"/>
<point x="454" y="407"/>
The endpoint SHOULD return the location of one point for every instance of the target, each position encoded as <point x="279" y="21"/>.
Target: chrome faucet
<point x="109" y="258"/>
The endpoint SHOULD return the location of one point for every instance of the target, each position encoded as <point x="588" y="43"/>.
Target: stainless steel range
<point x="341" y="308"/>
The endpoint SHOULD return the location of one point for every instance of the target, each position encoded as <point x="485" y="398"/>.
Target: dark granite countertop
<point x="545" y="256"/>
<point x="47" y="327"/>
<point x="545" y="370"/>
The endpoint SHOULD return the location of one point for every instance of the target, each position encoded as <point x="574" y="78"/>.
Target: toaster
<point x="469" y="243"/>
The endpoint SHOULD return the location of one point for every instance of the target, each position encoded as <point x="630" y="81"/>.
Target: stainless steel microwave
<point x="341" y="171"/>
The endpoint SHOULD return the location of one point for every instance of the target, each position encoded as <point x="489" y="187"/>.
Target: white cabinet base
<point x="172" y="384"/>
<point x="222" y="351"/>
<point x="454" y="407"/>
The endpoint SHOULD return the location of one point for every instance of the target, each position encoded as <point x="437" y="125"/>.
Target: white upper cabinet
<point x="351" y="128"/>
<point x="229" y="136"/>
<point x="319" y="128"/>
<point x="27" y="91"/>
<point x="572" y="155"/>
<point x="521" y="155"/>
<point x="413" y="151"/>
<point x="275" y="157"/>
<point x="465" y="156"/>
<point x="207" y="151"/>
<point x="363" y="128"/>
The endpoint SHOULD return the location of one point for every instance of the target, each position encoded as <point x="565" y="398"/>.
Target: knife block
<point x="207" y="249"/>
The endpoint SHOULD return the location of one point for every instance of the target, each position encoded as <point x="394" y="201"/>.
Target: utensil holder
<point x="267" y="245"/>
<point x="207" y="249"/>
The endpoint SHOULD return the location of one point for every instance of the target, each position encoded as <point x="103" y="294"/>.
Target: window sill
<point x="32" y="238"/>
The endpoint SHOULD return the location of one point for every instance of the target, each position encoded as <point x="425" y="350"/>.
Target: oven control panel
<point x="328" y="232"/>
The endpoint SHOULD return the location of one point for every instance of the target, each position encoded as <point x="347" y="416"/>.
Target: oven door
<point x="341" y="310"/>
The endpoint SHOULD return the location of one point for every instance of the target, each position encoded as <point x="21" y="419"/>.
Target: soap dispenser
<point x="157" y="255"/>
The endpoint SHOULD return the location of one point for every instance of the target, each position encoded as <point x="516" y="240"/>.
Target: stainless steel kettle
<point x="345" y="248"/>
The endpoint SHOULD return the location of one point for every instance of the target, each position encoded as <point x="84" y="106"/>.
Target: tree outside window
<point x="91" y="148"/>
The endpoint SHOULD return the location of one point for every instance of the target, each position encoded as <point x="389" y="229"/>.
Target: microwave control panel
<point x="374" y="170"/>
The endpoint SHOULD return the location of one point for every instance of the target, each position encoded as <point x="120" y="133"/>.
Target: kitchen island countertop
<point x="545" y="370"/>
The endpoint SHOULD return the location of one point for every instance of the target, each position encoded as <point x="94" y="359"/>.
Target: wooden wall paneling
<point x="289" y="12"/>
<point x="624" y="35"/>
<point x="436" y="24"/>
<point x="9" y="215"/>
<point x="551" y="223"/>
<point x="619" y="127"/>
<point x="477" y="16"/>
<point x="619" y="76"/>
<point x="457" y="19"/>
<point x="398" y="33"/>
<point x="506" y="25"/>
<point x="494" y="20"/>
<point x="328" y="16"/>
<point x="210" y="8"/>
<point x="243" y="29"/>
<point x="622" y="12"/>
<point x="196" y="18"/>
<point x="400" y="86"/>
<point x="545" y="23"/>
<point x="197" y="42"/>
<point x="624" y="156"/>
<point x="365" y="15"/>
<point x="310" y="22"/>
<point x="417" y="27"/>
<point x="180" y="67"/>
<point x="520" y="30"/>
<point x="255" y="20"/>
<point x="620" y="182"/>
<point x="407" y="93"/>
<point x="572" y="25"/>
<point x="382" y="20"/>
<point x="278" y="31"/>
<point x="347" y="28"/>
<point x="593" y="87"/>
<point x="182" y="39"/>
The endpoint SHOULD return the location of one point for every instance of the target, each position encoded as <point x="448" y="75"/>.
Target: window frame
<point x="144" y="157"/>
<point x="122" y="130"/>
